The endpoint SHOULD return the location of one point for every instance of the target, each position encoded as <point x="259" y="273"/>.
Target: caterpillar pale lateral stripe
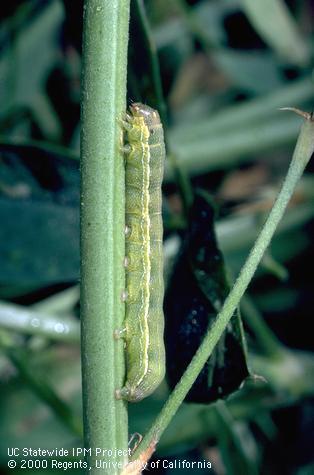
<point x="144" y="322"/>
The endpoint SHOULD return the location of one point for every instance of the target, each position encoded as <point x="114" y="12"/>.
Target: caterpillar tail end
<point x="129" y="394"/>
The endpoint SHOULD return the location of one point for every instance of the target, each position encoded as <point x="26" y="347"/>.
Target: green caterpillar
<point x="144" y="322"/>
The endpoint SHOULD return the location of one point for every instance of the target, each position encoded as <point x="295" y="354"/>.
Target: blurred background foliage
<point x="226" y="66"/>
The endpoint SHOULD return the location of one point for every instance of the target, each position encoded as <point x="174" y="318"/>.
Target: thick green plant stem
<point x="105" y="41"/>
<point x="302" y="154"/>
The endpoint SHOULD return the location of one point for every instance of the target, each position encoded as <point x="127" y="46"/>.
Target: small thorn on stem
<point x="305" y="115"/>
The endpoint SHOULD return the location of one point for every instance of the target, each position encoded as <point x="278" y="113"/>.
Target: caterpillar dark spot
<point x="144" y="321"/>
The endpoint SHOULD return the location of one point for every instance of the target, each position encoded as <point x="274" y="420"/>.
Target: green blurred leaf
<point x="276" y="25"/>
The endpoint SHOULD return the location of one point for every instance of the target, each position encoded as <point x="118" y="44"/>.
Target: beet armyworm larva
<point x="144" y="321"/>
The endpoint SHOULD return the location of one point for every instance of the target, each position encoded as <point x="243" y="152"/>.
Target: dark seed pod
<point x="197" y="290"/>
